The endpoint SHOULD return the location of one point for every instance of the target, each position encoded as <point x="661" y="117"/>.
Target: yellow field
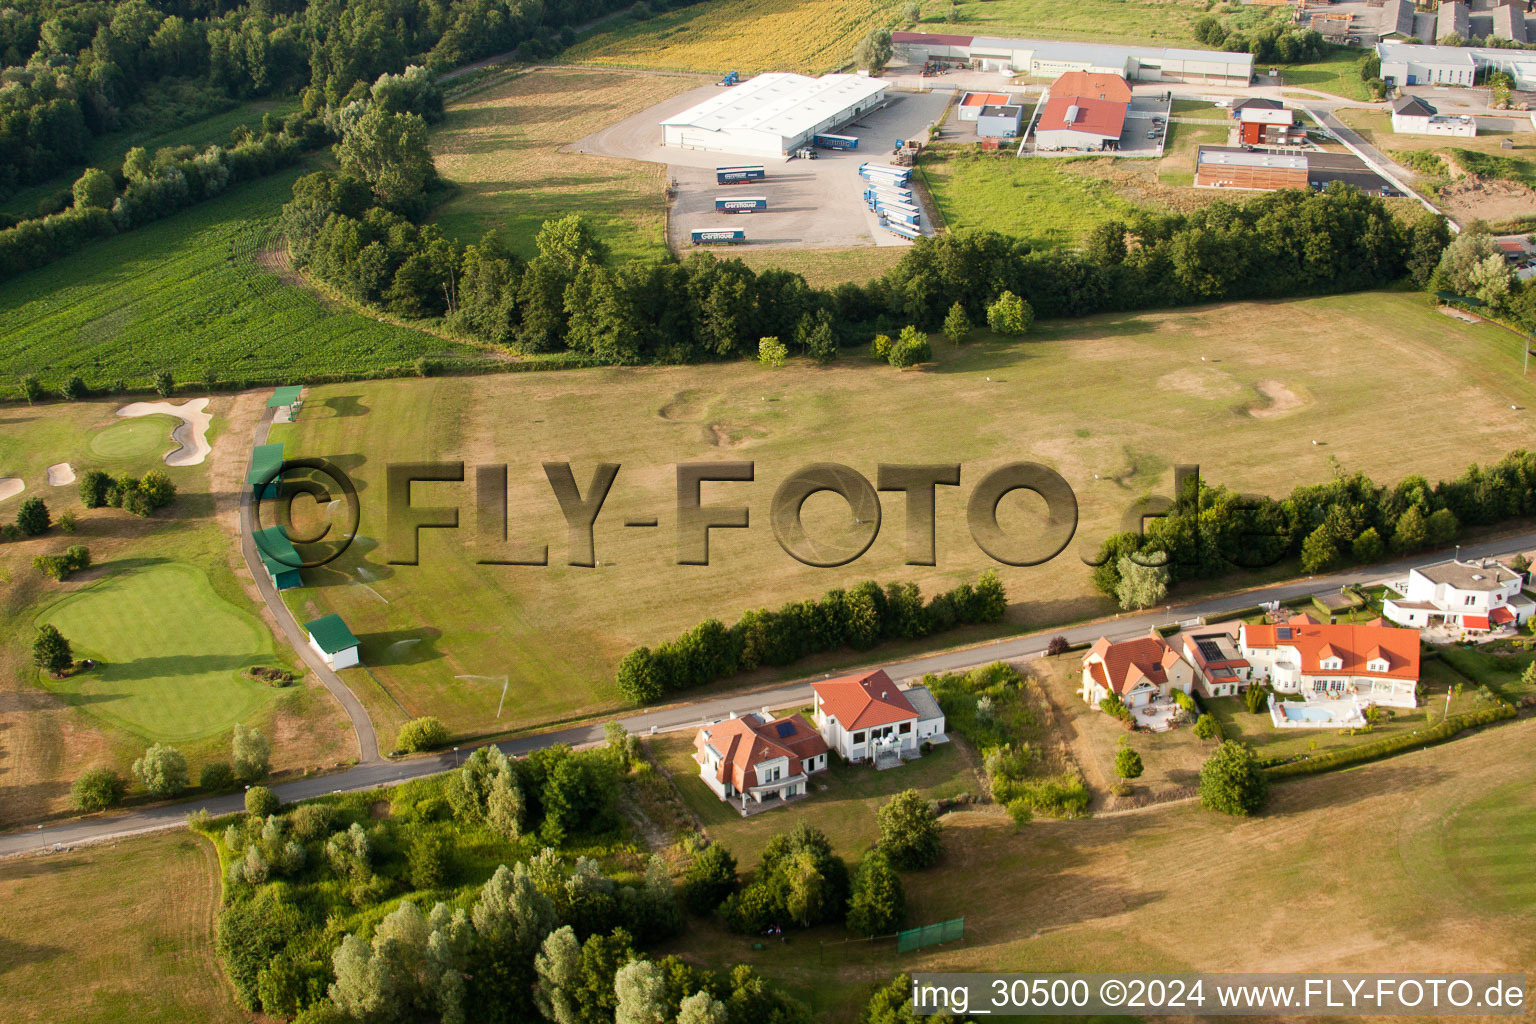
<point x="746" y="36"/>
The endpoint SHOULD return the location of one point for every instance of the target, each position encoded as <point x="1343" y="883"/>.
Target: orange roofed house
<point x="1140" y="671"/>
<point x="755" y="758"/>
<point x="869" y="717"/>
<point x="1370" y="664"/>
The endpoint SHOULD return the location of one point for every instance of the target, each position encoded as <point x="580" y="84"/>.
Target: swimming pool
<point x="1310" y="715"/>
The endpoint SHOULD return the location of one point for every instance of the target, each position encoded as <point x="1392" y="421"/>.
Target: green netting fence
<point x="930" y="935"/>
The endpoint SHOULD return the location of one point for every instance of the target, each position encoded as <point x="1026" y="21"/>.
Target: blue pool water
<point x="1306" y="714"/>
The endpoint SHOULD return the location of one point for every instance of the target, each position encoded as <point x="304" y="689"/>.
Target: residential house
<point x="1369" y="664"/>
<point x="869" y="717"/>
<point x="1139" y="671"/>
<point x="755" y="758"/>
<point x="1219" y="666"/>
<point x="1472" y="596"/>
<point x="1414" y="116"/>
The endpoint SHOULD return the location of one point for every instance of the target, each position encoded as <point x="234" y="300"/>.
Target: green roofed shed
<point x="278" y="556"/>
<point x="331" y="637"/>
<point x="286" y="395"/>
<point x="266" y="460"/>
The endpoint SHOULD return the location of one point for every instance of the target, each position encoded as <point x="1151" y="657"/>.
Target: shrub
<point x="909" y="831"/>
<point x="93" y="488"/>
<point x="250" y="754"/>
<point x="1231" y="782"/>
<point x="771" y="352"/>
<point x="1058" y="645"/>
<point x="1185" y="701"/>
<point x="1010" y="315"/>
<point x="55" y="567"/>
<point x="910" y="348"/>
<point x="50" y="649"/>
<point x="879" y="904"/>
<point x="425" y="733"/>
<point x="956" y="324"/>
<point x="312" y="821"/>
<point x="31" y="388"/>
<point x="1206" y="727"/>
<point x="165" y="384"/>
<point x="1128" y="763"/>
<point x="216" y="776"/>
<point x="1255" y="698"/>
<point x="95" y="790"/>
<point x="428" y="861"/>
<point x="1114" y="707"/>
<point x="261" y="802"/>
<point x="74" y="388"/>
<point x="709" y="880"/>
<point x="162" y="770"/>
<point x="157" y="489"/>
<point x="77" y="557"/>
<point x="32" y="517"/>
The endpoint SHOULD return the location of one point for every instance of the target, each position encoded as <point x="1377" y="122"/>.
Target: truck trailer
<point x="836" y="141"/>
<point x="745" y="204"/>
<point x="739" y="175"/>
<point x="718" y="236"/>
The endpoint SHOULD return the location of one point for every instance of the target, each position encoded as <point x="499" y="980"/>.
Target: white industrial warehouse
<point x="773" y="115"/>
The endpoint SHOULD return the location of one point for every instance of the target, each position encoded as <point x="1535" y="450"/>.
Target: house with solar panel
<point x="278" y="557"/>
<point x="266" y="470"/>
<point x="869" y="718"/>
<point x="1474" y="597"/>
<point x="756" y="761"/>
<point x="333" y="641"/>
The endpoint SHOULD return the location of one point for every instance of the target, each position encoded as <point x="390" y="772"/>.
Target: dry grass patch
<point x="502" y="147"/>
<point x="824" y="268"/>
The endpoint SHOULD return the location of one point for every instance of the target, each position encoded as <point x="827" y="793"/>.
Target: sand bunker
<point x="61" y="474"/>
<point x="1281" y="400"/>
<point x="191" y="436"/>
<point x="10" y="486"/>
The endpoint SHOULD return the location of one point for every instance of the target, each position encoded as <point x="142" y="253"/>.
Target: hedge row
<point x="1438" y="733"/>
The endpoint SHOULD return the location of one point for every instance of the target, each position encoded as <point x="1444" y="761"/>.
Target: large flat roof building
<point x="774" y="114"/>
<point x="1042" y="58"/>
<point x="1413" y="64"/>
<point x="1219" y="167"/>
<point x="1077" y="122"/>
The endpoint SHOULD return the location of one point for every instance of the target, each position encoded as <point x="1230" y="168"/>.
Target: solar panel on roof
<point x="785" y="729"/>
<point x="1210" y="650"/>
<point x="1283" y="632"/>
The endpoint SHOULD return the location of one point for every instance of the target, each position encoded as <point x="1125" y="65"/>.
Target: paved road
<point x="691" y="715"/>
<point x="367" y="739"/>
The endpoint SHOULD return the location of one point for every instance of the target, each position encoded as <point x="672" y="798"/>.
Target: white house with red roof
<point x="754" y="759"/>
<point x="1478" y="597"/>
<point x="1370" y="664"/>
<point x="1140" y="672"/>
<point x="868" y="717"/>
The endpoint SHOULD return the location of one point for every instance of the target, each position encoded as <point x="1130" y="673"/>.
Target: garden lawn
<point x="112" y="933"/>
<point x="1497" y="666"/>
<point x="1337" y="72"/>
<point x="501" y="146"/>
<point x="842" y="801"/>
<point x="170" y="652"/>
<point x="192" y="294"/>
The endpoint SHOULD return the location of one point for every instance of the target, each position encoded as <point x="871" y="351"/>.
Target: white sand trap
<point x="192" y="435"/>
<point x="61" y="474"/>
<point x="10" y="486"/>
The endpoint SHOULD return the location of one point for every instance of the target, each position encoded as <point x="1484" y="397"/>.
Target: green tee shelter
<point x="266" y="460"/>
<point x="278" y="557"/>
<point x="286" y="403"/>
<point x="333" y="641"/>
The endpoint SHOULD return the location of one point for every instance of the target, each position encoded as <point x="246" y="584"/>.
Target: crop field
<point x="190" y="294"/>
<point x="1417" y="860"/>
<point x="810" y="36"/>
<point x="136" y="941"/>
<point x="502" y="146"/>
<point x="161" y="608"/>
<point x="441" y="636"/>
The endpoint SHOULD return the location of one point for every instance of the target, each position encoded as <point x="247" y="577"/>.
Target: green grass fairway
<point x="171" y="650"/>
<point x="1491" y="838"/>
<point x="132" y="439"/>
<point x="190" y="294"/>
<point x="1112" y="402"/>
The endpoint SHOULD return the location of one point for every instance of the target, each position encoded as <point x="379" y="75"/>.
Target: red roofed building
<point x="1079" y="122"/>
<point x="1138" y="671"/>
<point x="1369" y="664"/>
<point x="868" y="716"/>
<point x="756" y="758"/>
<point x="1092" y="86"/>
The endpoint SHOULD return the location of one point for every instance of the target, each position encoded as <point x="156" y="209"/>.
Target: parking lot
<point x="812" y="204"/>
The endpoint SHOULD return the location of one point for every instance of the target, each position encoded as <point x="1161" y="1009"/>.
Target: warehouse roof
<point x="1081" y="114"/>
<point x="1422" y="52"/>
<point x="1094" y="86"/>
<point x="779" y="103"/>
<point x="1101" y="54"/>
<point x="1251" y="158"/>
<point x="1509" y="22"/>
<point x="1397" y="16"/>
<point x="930" y="37"/>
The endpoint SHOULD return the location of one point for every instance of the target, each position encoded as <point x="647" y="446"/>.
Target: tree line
<point x="859" y="617"/>
<point x="1210" y="531"/>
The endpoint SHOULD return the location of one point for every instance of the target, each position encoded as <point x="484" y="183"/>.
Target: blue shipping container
<point x="746" y="204"/>
<point x="715" y="236"/>
<point x="836" y="141"/>
<point x="739" y="175"/>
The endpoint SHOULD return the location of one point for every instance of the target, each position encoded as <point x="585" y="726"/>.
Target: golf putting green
<point x="132" y="439"/>
<point x="170" y="652"/>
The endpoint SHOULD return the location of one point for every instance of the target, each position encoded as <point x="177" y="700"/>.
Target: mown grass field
<point x="824" y="268"/>
<point x="190" y="293"/>
<point x="1399" y="865"/>
<point x="557" y="632"/>
<point x="1337" y="72"/>
<point x="502" y="147"/>
<point x="162" y="607"/>
<point x="1162" y="22"/>
<point x="810" y="36"/>
<point x="118" y="932"/>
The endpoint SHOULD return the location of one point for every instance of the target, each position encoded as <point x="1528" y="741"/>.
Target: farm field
<point x="502" y="146"/>
<point x="161" y="607"/>
<point x="1437" y="835"/>
<point x="842" y="801"/>
<point x="107" y="151"/>
<point x="743" y="35"/>
<point x="136" y="943"/>
<point x="1155" y="22"/>
<point x="1245" y="405"/>
<point x="191" y="294"/>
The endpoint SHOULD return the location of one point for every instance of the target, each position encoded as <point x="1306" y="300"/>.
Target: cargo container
<point x="719" y="236"/>
<point x="900" y="195"/>
<point x="904" y="230"/>
<point x="888" y="213"/>
<point x="746" y="204"/>
<point x="739" y="175"/>
<point x="903" y="207"/>
<point x="836" y="141"/>
<point x="885" y="170"/>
